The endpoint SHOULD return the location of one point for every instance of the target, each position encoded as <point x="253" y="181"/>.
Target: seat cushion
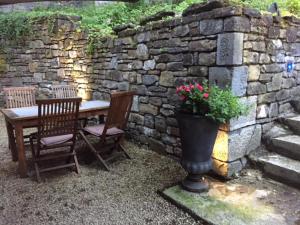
<point x="97" y="130"/>
<point x="55" y="140"/>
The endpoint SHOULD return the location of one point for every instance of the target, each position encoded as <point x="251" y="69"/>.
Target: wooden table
<point x="19" y="118"/>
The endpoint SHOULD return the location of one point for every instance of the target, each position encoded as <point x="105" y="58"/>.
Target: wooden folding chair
<point x="64" y="91"/>
<point x="57" y="129"/>
<point x="112" y="132"/>
<point x="17" y="97"/>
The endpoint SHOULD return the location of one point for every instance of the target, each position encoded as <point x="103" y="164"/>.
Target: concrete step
<point x="293" y="123"/>
<point x="281" y="168"/>
<point x="288" y="146"/>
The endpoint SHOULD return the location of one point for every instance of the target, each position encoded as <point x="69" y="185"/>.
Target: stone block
<point x="273" y="110"/>
<point x="251" y="57"/>
<point x="249" y="118"/>
<point x="205" y="45"/>
<point x="143" y="37"/>
<point x="241" y="140"/>
<point x="262" y="111"/>
<point x="36" y="44"/>
<point x="175" y="66"/>
<point x="149" y="64"/>
<point x="207" y="59"/>
<point x="149" y="120"/>
<point x="123" y="86"/>
<point x="235" y="77"/>
<point x="166" y="79"/>
<point x="155" y="101"/>
<point x="136" y="118"/>
<point x="230" y="49"/>
<point x="142" y="51"/>
<point x="211" y="26"/>
<point x="240" y="24"/>
<point x="148" y="108"/>
<point x="199" y="71"/>
<point x="181" y="31"/>
<point x="163" y="58"/>
<point x="266" y="98"/>
<point x="160" y="124"/>
<point x="285" y="108"/>
<point x="254" y="72"/>
<point x="135" y="104"/>
<point x="149" y="79"/>
<point x="255" y="88"/>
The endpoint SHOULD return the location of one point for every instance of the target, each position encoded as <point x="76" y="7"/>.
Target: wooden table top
<point x="32" y="112"/>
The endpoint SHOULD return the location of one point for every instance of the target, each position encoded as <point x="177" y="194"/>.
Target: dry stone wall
<point x="229" y="46"/>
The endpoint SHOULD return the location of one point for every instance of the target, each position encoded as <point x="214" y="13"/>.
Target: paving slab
<point x="229" y="203"/>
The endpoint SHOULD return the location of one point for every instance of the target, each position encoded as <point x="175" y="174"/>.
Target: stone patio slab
<point x="227" y="204"/>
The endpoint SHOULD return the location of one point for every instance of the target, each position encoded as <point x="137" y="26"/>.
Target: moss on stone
<point x="215" y="210"/>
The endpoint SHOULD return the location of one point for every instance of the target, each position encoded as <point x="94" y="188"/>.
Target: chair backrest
<point x="120" y="106"/>
<point x="64" y="91"/>
<point x="57" y="117"/>
<point x="16" y="97"/>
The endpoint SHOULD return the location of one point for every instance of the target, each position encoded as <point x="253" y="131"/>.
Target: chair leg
<point x="120" y="145"/>
<point x="94" y="151"/>
<point x="124" y="151"/>
<point x="36" y="166"/>
<point x="76" y="164"/>
<point x="37" y="172"/>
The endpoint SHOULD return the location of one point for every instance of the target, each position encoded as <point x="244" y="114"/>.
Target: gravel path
<point x="125" y="195"/>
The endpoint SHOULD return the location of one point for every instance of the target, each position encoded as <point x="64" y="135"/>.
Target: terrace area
<point x="181" y="112"/>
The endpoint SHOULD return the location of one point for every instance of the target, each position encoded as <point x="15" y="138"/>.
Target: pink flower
<point x="192" y="86"/>
<point x="200" y="88"/>
<point x="205" y="95"/>
<point x="182" y="98"/>
<point x="187" y="89"/>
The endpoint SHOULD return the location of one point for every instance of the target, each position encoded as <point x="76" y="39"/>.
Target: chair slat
<point x="64" y="91"/>
<point x="16" y="97"/>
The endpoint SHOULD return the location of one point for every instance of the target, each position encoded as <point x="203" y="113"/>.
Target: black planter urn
<point x="198" y="135"/>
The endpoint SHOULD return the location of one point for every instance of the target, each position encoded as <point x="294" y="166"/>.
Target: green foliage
<point x="100" y="20"/>
<point x="212" y="102"/>
<point x="223" y="105"/>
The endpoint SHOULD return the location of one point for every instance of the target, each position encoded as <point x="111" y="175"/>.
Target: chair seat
<point x="56" y="140"/>
<point x="97" y="130"/>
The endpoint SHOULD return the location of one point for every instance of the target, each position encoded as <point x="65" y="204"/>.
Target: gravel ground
<point x="125" y="195"/>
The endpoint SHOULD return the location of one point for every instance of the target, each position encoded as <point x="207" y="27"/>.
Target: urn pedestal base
<point x="194" y="183"/>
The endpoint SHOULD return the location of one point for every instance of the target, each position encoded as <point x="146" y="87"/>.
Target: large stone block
<point x="249" y="118"/>
<point x="211" y="26"/>
<point x="235" y="77"/>
<point x="230" y="49"/>
<point x="240" y="24"/>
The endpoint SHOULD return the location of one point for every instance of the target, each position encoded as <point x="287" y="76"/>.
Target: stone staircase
<point x="281" y="160"/>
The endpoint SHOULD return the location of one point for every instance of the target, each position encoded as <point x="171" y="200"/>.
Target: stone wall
<point x="228" y="46"/>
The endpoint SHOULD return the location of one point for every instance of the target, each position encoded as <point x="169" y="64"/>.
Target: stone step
<point x="293" y="123"/>
<point x="288" y="146"/>
<point x="281" y="168"/>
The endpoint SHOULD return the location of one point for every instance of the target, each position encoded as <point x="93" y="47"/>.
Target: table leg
<point x="21" y="150"/>
<point x="11" y="141"/>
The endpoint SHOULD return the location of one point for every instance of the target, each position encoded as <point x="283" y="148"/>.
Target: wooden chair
<point x="57" y="129"/>
<point x="64" y="91"/>
<point x="112" y="132"/>
<point x="17" y="97"/>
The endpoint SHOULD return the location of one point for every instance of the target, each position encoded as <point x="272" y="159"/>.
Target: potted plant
<point x="203" y="109"/>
